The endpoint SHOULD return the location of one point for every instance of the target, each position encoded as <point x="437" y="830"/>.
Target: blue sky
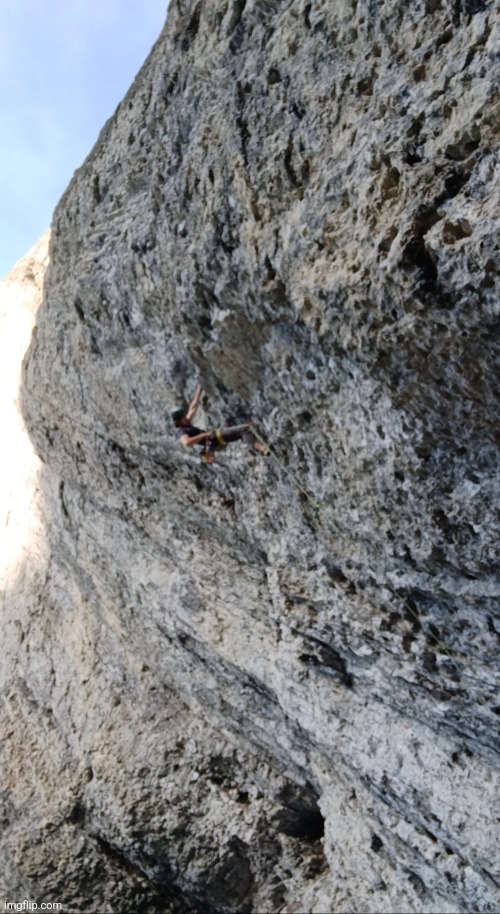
<point x="64" y="67"/>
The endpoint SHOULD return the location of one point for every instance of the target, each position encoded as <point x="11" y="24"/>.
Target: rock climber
<point x="189" y="435"/>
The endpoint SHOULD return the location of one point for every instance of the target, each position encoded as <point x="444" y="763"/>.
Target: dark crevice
<point x="326" y="658"/>
<point x="472" y="7"/>
<point x="300" y="816"/>
<point x="464" y="146"/>
<point x="118" y="857"/>
<point x="63" y="502"/>
<point x="79" y="308"/>
<point x="146" y="892"/>
<point x="416" y="254"/>
<point x="454" y="182"/>
<point x="236" y="26"/>
<point x="192" y="28"/>
<point x="298" y="110"/>
<point x="288" y="163"/>
<point x="241" y="122"/>
<point x="412" y="155"/>
<point x="301" y="177"/>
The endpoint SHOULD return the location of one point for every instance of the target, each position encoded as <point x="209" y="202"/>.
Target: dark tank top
<point x="190" y="431"/>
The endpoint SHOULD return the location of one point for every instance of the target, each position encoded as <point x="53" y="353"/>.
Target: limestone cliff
<point x="270" y="685"/>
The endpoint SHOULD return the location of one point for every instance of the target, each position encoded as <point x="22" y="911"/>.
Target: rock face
<point x="270" y="685"/>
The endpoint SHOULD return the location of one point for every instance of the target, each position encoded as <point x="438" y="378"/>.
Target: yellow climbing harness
<point x="220" y="438"/>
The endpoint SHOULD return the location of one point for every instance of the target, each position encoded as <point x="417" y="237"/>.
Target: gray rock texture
<point x="270" y="685"/>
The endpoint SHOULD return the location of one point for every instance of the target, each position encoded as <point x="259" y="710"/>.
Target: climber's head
<point x="178" y="414"/>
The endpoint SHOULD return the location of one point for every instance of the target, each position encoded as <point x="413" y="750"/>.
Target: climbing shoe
<point x="260" y="450"/>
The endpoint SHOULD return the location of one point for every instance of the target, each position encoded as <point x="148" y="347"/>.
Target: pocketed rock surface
<point x="270" y="685"/>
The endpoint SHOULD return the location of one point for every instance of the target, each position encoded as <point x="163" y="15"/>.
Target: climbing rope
<point x="315" y="504"/>
<point x="459" y="667"/>
<point x="329" y="525"/>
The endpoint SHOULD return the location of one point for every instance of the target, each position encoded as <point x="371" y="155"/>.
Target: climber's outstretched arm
<point x="195" y="439"/>
<point x="195" y="402"/>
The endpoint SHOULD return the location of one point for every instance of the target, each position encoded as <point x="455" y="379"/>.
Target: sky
<point x="64" y="67"/>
